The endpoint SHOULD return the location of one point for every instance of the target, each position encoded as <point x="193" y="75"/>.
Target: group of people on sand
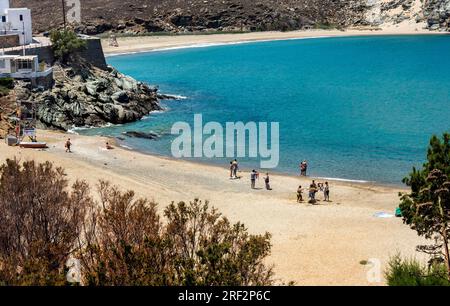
<point x="254" y="175"/>
<point x="312" y="190"/>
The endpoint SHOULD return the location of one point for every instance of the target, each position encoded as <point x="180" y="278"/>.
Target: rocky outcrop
<point x="134" y="134"/>
<point x="437" y="14"/>
<point x="86" y="96"/>
<point x="175" y="16"/>
<point x="143" y="16"/>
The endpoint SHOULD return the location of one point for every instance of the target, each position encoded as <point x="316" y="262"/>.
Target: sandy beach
<point x="312" y="244"/>
<point x="150" y="43"/>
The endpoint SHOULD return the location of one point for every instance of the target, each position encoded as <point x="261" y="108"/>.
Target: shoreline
<point x="351" y="182"/>
<point x="144" y="44"/>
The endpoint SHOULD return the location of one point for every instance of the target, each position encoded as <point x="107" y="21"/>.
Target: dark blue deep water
<point x="359" y="108"/>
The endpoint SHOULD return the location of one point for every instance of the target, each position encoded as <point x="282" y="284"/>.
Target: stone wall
<point x="7" y="41"/>
<point x="93" y="54"/>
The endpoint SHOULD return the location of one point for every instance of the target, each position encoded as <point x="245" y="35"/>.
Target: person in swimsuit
<point x="253" y="177"/>
<point x="236" y="168"/>
<point x="326" y="192"/>
<point x="267" y="181"/>
<point x="299" y="194"/>
<point x="68" y="145"/>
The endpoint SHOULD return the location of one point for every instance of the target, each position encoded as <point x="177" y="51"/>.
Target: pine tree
<point x="427" y="208"/>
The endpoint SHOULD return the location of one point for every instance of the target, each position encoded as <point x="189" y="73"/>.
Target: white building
<point x="16" y="21"/>
<point x="22" y="67"/>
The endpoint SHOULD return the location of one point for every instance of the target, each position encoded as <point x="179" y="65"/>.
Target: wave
<point x="74" y="129"/>
<point x="343" y="180"/>
<point x="177" y="97"/>
<point x="126" y="147"/>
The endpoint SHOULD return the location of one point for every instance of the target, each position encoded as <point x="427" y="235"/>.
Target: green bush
<point x="7" y="83"/>
<point x="66" y="43"/>
<point x="409" y="272"/>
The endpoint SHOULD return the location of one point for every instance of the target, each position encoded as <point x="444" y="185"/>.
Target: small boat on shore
<point x="33" y="145"/>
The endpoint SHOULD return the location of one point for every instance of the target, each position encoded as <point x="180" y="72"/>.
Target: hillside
<point x="141" y="16"/>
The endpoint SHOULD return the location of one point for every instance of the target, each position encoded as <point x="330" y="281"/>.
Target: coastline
<point x="345" y="229"/>
<point x="141" y="44"/>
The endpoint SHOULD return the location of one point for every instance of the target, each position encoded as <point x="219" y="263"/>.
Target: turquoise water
<point x="360" y="108"/>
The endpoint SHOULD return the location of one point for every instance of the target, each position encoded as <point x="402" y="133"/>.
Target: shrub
<point x="196" y="246"/>
<point x="40" y="222"/>
<point x="119" y="241"/>
<point x="411" y="273"/>
<point x="7" y="83"/>
<point x="66" y="43"/>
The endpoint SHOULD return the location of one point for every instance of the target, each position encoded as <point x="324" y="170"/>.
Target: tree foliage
<point x="119" y="241"/>
<point x="427" y="208"/>
<point x="66" y="43"/>
<point x="40" y="222"/>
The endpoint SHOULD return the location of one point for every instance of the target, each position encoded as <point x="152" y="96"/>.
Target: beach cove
<point x="358" y="108"/>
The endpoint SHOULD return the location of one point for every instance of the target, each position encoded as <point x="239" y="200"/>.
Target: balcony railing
<point x="28" y="74"/>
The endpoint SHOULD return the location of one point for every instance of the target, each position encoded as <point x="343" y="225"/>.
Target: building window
<point x="3" y="18"/>
<point x="2" y="64"/>
<point x="24" y="65"/>
<point x="21" y="17"/>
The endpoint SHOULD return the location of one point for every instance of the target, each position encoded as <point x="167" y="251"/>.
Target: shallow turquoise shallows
<point x="360" y="108"/>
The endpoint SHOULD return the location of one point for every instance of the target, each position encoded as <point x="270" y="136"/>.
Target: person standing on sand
<point x="267" y="181"/>
<point x="312" y="193"/>
<point x="231" y="170"/>
<point x="303" y="168"/>
<point x="253" y="177"/>
<point x="236" y="167"/>
<point x="68" y="145"/>
<point x="326" y="192"/>
<point x="299" y="194"/>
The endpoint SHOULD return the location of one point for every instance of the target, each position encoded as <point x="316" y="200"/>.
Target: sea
<point x="356" y="108"/>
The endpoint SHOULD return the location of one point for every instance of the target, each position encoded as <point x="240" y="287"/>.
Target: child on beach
<point x="299" y="194"/>
<point x="68" y="145"/>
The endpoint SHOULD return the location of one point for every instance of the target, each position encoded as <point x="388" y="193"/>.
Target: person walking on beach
<point x="231" y="170"/>
<point x="235" y="168"/>
<point x="326" y="192"/>
<point x="68" y="145"/>
<point x="253" y="177"/>
<point x="267" y="181"/>
<point x="299" y="194"/>
<point x="303" y="168"/>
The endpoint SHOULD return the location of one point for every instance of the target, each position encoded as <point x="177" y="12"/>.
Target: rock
<point x="91" y="97"/>
<point x="135" y="134"/>
<point x="120" y="96"/>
